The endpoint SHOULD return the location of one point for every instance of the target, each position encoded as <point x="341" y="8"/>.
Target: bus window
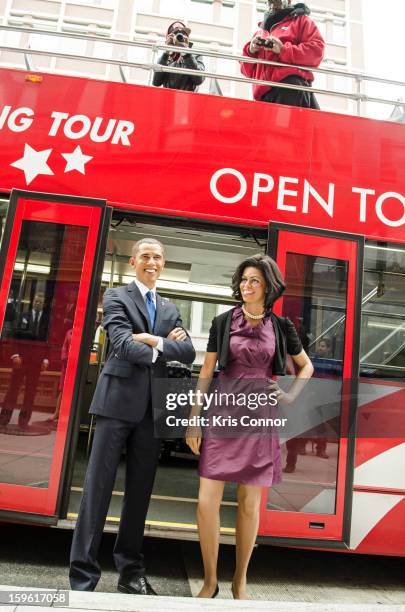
<point x="34" y="346"/>
<point x="315" y="300"/>
<point x="382" y="353"/>
<point x="3" y="213"/>
<point x="382" y="345"/>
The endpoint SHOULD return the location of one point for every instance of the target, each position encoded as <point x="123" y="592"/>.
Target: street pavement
<point x="125" y="603"/>
<point x="279" y="578"/>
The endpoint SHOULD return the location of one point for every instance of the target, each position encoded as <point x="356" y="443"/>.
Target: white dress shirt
<point x="144" y="290"/>
<point x="34" y="312"/>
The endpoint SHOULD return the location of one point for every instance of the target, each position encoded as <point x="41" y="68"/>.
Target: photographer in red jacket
<point x="289" y="36"/>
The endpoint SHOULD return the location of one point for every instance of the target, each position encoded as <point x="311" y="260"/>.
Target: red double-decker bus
<point x="86" y="168"/>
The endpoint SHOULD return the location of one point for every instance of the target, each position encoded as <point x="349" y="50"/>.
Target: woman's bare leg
<point x="209" y="502"/>
<point x="247" y="525"/>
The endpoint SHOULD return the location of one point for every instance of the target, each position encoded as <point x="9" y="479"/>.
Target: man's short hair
<point x="138" y="243"/>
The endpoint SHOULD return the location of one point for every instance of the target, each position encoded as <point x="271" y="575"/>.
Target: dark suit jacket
<point x="25" y="341"/>
<point x="287" y="340"/>
<point x="125" y="387"/>
<point x="24" y="329"/>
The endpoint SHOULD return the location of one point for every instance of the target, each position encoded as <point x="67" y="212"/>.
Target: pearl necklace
<point x="251" y="316"/>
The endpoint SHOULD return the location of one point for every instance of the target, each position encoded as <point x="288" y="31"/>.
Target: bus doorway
<point x="323" y="272"/>
<point x="200" y="261"/>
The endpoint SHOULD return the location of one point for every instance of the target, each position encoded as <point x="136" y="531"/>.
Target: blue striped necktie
<point x="150" y="305"/>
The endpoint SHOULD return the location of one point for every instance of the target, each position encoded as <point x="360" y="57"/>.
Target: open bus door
<point x="323" y="272"/>
<point x="51" y="263"/>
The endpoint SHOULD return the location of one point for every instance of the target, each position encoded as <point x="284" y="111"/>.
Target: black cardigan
<point x="287" y="340"/>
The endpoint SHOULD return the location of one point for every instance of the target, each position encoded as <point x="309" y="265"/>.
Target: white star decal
<point x="33" y="163"/>
<point x="76" y="160"/>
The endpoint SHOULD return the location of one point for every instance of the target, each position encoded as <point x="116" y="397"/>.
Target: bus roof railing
<point x="155" y="46"/>
<point x="206" y="73"/>
<point x="357" y="96"/>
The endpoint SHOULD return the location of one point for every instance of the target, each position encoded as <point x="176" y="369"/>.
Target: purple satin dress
<point x="248" y="459"/>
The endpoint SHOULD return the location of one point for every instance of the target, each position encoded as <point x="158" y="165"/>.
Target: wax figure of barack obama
<point x="144" y="331"/>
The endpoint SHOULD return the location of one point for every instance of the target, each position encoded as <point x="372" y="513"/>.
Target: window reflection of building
<point x="184" y="307"/>
<point x="209" y="312"/>
<point x="382" y="342"/>
<point x="3" y="213"/>
<point x="29" y="358"/>
<point x="315" y="300"/>
<point x="40" y="310"/>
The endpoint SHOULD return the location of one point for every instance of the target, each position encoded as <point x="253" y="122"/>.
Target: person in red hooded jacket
<point x="289" y="36"/>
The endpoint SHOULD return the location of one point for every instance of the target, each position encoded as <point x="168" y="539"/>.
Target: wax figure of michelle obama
<point x="248" y="342"/>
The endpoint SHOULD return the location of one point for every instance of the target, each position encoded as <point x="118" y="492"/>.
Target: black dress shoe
<point x="136" y="586"/>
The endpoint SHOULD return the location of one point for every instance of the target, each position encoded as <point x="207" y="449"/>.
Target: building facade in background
<point x="220" y="25"/>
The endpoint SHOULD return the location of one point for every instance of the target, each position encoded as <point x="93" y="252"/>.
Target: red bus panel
<point x="48" y="252"/>
<point x="322" y="297"/>
<point x="204" y="157"/>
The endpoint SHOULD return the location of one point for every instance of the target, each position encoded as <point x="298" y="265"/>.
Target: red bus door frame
<point x="300" y="528"/>
<point x="43" y="504"/>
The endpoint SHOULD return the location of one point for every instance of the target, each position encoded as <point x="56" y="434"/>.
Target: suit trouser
<point x="110" y="438"/>
<point x="31" y="375"/>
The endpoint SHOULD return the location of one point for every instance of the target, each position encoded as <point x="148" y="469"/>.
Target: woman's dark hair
<point x="274" y="280"/>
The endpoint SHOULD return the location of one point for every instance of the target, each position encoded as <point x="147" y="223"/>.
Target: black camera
<point x="264" y="42"/>
<point x="180" y="37"/>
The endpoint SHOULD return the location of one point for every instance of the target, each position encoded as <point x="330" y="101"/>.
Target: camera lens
<point x="180" y="37"/>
